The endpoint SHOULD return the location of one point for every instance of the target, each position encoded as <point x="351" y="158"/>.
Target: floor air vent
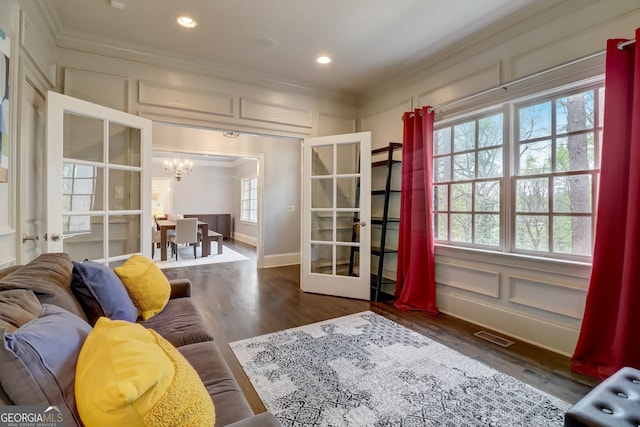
<point x="502" y="342"/>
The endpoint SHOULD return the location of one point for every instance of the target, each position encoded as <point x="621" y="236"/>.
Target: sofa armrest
<point x="265" y="419"/>
<point x="180" y="288"/>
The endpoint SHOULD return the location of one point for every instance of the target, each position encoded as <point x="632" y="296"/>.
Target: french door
<point x="336" y="211"/>
<point x="98" y="181"/>
<point x="31" y="198"/>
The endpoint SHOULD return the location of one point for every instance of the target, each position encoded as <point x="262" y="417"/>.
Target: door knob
<point x="363" y="223"/>
<point x="26" y="238"/>
<point x="57" y="236"/>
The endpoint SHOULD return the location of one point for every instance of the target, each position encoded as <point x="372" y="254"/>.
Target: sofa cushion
<point x="17" y="307"/>
<point x="101" y="292"/>
<point x="206" y="359"/>
<point x="129" y="375"/>
<point x="6" y="271"/>
<point x="37" y="361"/>
<point x="179" y="323"/>
<point x="49" y="277"/>
<point x="146" y="284"/>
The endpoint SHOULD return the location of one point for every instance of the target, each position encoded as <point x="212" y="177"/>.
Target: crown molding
<point x="83" y="43"/>
<point x="518" y="22"/>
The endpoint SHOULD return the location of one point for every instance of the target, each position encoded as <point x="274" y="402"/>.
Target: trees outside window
<point x="468" y="181"/>
<point x="549" y="170"/>
<point x="556" y="174"/>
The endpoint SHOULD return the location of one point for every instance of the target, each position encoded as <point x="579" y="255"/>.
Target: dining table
<point x="166" y="224"/>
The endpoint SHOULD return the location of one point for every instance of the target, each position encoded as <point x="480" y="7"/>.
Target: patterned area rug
<point x="186" y="259"/>
<point x="366" y="370"/>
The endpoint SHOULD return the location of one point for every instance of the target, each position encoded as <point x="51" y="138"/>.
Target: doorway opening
<point x="220" y="164"/>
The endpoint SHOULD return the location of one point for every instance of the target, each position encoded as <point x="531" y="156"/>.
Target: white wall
<point x="208" y="190"/>
<point x="537" y="300"/>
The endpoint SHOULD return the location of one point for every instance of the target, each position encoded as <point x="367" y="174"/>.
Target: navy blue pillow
<point x="101" y="292"/>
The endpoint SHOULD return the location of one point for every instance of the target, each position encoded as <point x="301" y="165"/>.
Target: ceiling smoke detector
<point x="230" y="134"/>
<point x="117" y="5"/>
<point x="265" y="42"/>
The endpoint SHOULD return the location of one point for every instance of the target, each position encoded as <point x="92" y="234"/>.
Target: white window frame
<point x="508" y="198"/>
<point x="249" y="199"/>
<point x="79" y="223"/>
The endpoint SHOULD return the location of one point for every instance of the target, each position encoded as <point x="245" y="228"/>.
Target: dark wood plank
<point x="238" y="301"/>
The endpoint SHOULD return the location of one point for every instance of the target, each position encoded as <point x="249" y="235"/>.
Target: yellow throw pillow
<point x="146" y="284"/>
<point x="128" y="375"/>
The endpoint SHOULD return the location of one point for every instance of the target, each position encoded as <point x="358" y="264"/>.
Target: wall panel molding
<point x="332" y="124"/>
<point x="482" y="77"/>
<point x="555" y="336"/>
<point x="114" y="93"/>
<point x="37" y="50"/>
<point x="254" y="109"/>
<point x="553" y="297"/>
<point x="187" y="99"/>
<point x="379" y="123"/>
<point x="480" y="281"/>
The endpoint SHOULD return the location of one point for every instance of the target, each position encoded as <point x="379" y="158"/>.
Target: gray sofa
<point x="49" y="278"/>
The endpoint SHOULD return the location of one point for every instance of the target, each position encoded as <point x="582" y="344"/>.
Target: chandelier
<point x="178" y="168"/>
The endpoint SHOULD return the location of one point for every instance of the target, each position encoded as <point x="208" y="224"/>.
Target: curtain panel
<point x="415" y="281"/>
<point x="609" y="337"/>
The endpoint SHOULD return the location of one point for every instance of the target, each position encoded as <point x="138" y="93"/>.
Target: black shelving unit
<point x="379" y="248"/>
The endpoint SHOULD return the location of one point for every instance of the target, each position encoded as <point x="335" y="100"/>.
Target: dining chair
<point x="173" y="217"/>
<point x="155" y="240"/>
<point x="186" y="233"/>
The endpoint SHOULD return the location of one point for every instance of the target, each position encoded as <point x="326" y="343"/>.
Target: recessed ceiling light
<point x="186" y="21"/>
<point x="323" y="59"/>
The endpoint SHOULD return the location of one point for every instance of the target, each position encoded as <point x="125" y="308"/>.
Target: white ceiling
<point x="370" y="41"/>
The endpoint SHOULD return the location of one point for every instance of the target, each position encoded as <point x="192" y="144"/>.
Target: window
<point x="547" y="173"/>
<point x="556" y="173"/>
<point x="78" y="193"/>
<point x="468" y="178"/>
<point x="249" y="200"/>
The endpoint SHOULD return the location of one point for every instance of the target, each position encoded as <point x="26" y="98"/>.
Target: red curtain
<point x="416" y="284"/>
<point x="610" y="337"/>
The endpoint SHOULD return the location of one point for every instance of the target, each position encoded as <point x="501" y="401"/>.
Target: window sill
<point x="558" y="266"/>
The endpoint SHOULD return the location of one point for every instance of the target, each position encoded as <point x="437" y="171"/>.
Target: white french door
<point x="98" y="191"/>
<point x="336" y="211"/>
<point x="31" y="199"/>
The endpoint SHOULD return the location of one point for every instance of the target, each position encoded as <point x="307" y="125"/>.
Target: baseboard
<point x="250" y="240"/>
<point x="7" y="263"/>
<point x="281" y="260"/>
<point x="540" y="332"/>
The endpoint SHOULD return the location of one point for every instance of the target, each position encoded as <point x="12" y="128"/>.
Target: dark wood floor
<point x="239" y="301"/>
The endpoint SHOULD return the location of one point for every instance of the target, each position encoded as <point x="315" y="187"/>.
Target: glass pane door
<point x="335" y="213"/>
<point x="102" y="206"/>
